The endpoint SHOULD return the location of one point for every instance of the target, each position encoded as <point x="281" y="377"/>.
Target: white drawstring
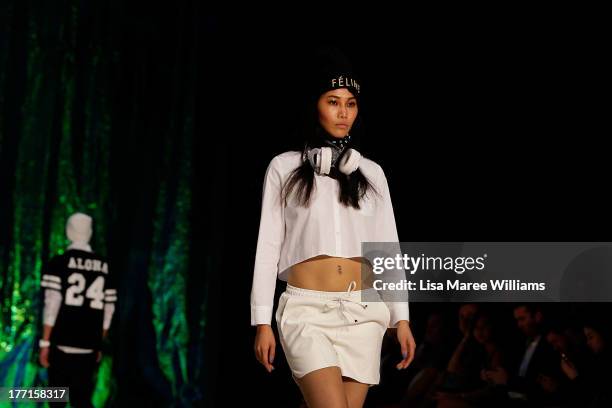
<point x="338" y="302"/>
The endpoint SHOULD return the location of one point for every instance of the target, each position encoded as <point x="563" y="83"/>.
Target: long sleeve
<point x="386" y="231"/>
<point x="51" y="283"/>
<point x="109" y="310"/>
<point x="53" y="301"/>
<point x="269" y="242"/>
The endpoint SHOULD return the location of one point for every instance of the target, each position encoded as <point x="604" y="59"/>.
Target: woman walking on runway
<point x="318" y="206"/>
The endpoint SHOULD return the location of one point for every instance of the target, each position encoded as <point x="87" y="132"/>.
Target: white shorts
<point x="320" y="329"/>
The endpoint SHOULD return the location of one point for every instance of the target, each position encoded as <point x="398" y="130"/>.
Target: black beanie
<point x="326" y="68"/>
<point x="333" y="70"/>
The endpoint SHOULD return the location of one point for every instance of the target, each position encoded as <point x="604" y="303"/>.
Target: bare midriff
<point x="331" y="274"/>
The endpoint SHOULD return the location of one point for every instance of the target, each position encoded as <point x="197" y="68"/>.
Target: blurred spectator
<point x="536" y="378"/>
<point x="563" y="341"/>
<point x="462" y="371"/>
<point x="559" y="364"/>
<point x="590" y="383"/>
<point x="490" y="357"/>
<point x="430" y="361"/>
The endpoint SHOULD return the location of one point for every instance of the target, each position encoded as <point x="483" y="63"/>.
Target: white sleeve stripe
<point x="110" y="298"/>
<point x="110" y="291"/>
<point x="46" y="284"/>
<point x="52" y="278"/>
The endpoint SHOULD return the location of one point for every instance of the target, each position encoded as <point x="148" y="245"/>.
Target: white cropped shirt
<point x="291" y="234"/>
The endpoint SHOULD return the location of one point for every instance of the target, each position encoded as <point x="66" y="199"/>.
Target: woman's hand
<point x="497" y="375"/>
<point x="265" y="346"/>
<point x="569" y="369"/>
<point x="406" y="341"/>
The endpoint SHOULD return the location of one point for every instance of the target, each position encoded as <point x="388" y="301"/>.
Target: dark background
<point x="487" y="131"/>
<point x="488" y="128"/>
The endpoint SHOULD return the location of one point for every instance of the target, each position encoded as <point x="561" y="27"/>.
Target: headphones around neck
<point x="320" y="159"/>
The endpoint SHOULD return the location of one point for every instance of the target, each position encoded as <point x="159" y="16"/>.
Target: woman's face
<point x="557" y="341"/>
<point x="482" y="330"/>
<point x="337" y="111"/>
<point x="594" y="340"/>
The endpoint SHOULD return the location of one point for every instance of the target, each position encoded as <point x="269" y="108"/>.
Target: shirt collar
<point x="80" y="245"/>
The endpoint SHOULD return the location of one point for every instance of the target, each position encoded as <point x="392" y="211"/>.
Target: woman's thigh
<point x="323" y="388"/>
<point x="355" y="392"/>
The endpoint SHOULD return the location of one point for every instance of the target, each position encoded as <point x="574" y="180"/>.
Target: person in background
<point x="561" y="337"/>
<point x="462" y="370"/>
<point x="537" y="377"/>
<point x="430" y="361"/>
<point x="488" y="355"/>
<point x="590" y="383"/>
<point x="79" y="302"/>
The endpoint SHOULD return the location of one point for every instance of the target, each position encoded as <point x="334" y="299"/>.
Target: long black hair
<point x="310" y="133"/>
